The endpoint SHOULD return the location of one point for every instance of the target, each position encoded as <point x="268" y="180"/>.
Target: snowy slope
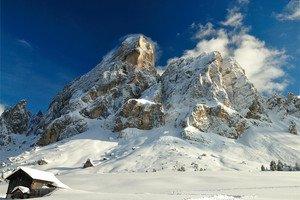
<point x="163" y="149"/>
<point x="179" y="186"/>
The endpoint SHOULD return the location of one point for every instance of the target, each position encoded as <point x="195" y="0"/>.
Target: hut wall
<point x="37" y="189"/>
<point x="37" y="184"/>
<point x="19" y="179"/>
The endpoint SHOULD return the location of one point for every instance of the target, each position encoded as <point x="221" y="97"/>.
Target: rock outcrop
<point x="289" y="105"/>
<point x="16" y="119"/>
<point x="139" y="113"/>
<point x="61" y="128"/>
<point x="293" y="128"/>
<point x="241" y="93"/>
<point x="5" y="132"/>
<point x="217" y="120"/>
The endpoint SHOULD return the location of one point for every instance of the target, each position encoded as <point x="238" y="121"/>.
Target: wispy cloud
<point x="234" y="18"/>
<point x="290" y="12"/>
<point x="24" y="43"/>
<point x="29" y="72"/>
<point x="264" y="66"/>
<point x="243" y="2"/>
<point x="203" y="30"/>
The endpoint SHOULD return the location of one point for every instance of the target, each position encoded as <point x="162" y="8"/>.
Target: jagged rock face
<point x="217" y="120"/>
<point x="194" y="79"/>
<point x="61" y="128"/>
<point x="17" y="118"/>
<point x="199" y="91"/>
<point x="36" y="119"/>
<point x="137" y="51"/>
<point x="125" y="73"/>
<point x="289" y="105"/>
<point x="141" y="114"/>
<point x="243" y="96"/>
<point x="293" y="128"/>
<point x="36" y="123"/>
<point x="191" y="81"/>
<point x="120" y="75"/>
<point x="97" y="109"/>
<point x="14" y="120"/>
<point x="5" y="132"/>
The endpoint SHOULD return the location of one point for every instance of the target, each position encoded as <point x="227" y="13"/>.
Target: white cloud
<point x="218" y="43"/>
<point x="290" y="12"/>
<point x="263" y="65"/>
<point x="2" y="108"/>
<point x="233" y="19"/>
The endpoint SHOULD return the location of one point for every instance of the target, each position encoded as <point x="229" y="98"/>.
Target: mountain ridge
<point x="196" y="100"/>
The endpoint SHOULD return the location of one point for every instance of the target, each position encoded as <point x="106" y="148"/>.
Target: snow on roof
<point x="144" y="101"/>
<point x="24" y="190"/>
<point x="41" y="175"/>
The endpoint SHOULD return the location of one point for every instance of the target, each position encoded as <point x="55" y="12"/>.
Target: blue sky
<point x="46" y="44"/>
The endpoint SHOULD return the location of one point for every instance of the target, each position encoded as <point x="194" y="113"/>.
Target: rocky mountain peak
<point x="207" y="92"/>
<point x="137" y="50"/>
<point x="17" y="118"/>
<point x="125" y="73"/>
<point x="21" y="105"/>
<point x="210" y="93"/>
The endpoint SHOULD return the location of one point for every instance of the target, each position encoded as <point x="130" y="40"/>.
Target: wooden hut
<point x="88" y="163"/>
<point x="37" y="182"/>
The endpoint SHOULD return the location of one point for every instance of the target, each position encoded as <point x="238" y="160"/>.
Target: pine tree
<point x="273" y="166"/>
<point x="263" y="168"/>
<point x="297" y="167"/>
<point x="279" y="166"/>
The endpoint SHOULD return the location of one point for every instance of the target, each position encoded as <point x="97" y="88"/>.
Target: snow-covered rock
<point x="139" y="113"/>
<point x="217" y="120"/>
<point x="17" y="118"/>
<point x="293" y="128"/>
<point x="289" y="105"/>
<point x="63" y="127"/>
<point x="14" y="120"/>
<point x="211" y="94"/>
<point x="242" y="94"/>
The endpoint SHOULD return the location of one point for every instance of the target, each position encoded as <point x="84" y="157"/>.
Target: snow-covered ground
<point x="221" y="185"/>
<point x="161" y="149"/>
<point x="125" y="166"/>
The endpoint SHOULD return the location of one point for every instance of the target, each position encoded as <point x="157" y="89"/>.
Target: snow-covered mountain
<point x="201" y="113"/>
